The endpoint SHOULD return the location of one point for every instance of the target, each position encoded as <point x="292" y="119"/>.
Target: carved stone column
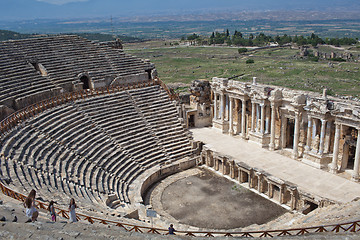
<point x="314" y="130"/>
<point x="243" y="118"/>
<point x="231" y="120"/>
<point x="240" y="175"/>
<point x="355" y="175"/>
<point x="281" y="194"/>
<point x="232" y="169"/>
<point x="262" y="120"/>
<point x="272" y="130"/>
<point x="270" y="190"/>
<point x="253" y="117"/>
<point x="227" y="112"/>
<point x="223" y="166"/>
<point x="293" y="198"/>
<point x="345" y="153"/>
<point x="267" y="119"/>
<point x="322" y="136"/>
<point x="308" y="136"/>
<point x="283" y="131"/>
<point x="333" y="167"/>
<point x="223" y="106"/>
<point x="237" y="109"/>
<point x="296" y="135"/>
<point x="259" y="186"/>
<point x="215" y="106"/>
<point x="216" y="162"/>
<point x="327" y="142"/>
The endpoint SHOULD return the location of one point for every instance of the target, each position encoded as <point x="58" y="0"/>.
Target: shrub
<point x="314" y="59"/>
<point x="242" y="50"/>
<point x="250" y="61"/>
<point x="338" y="59"/>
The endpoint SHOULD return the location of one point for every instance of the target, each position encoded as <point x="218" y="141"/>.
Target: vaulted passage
<point x="85" y="80"/>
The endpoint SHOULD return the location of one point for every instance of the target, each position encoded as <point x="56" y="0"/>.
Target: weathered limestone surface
<point x="318" y="130"/>
<point x="35" y="69"/>
<point x="99" y="149"/>
<point x="306" y="178"/>
<point x="197" y="112"/>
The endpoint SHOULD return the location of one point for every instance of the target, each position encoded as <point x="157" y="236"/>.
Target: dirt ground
<point x="209" y="201"/>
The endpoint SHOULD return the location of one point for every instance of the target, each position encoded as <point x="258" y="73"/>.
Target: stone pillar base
<point x="272" y="147"/>
<point x="355" y="178"/>
<point x="333" y="170"/>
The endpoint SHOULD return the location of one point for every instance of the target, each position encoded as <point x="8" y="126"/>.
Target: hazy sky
<point x="39" y="9"/>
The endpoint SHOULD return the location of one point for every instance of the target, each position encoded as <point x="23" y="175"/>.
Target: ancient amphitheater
<point x="85" y="120"/>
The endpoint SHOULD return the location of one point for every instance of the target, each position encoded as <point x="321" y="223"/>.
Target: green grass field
<point x="271" y="66"/>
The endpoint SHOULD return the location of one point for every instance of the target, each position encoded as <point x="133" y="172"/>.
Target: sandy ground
<point x="207" y="200"/>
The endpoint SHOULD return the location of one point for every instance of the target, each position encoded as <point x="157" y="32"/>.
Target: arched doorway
<point x="191" y="120"/>
<point x="86" y="82"/>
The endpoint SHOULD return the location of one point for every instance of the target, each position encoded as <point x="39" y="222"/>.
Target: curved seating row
<point x="63" y="58"/>
<point x="96" y="147"/>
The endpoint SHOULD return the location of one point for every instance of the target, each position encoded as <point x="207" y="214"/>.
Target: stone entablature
<point x="319" y="130"/>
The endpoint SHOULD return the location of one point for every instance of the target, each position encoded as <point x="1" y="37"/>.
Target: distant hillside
<point x="106" y="37"/>
<point x="10" y="35"/>
<point x="7" y="35"/>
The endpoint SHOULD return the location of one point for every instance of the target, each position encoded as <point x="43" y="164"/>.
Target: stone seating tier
<point x="94" y="147"/>
<point x="64" y="58"/>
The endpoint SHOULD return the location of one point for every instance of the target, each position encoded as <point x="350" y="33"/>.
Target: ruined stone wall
<point x="281" y="191"/>
<point x="199" y="109"/>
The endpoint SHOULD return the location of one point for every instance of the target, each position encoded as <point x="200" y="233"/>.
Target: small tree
<point x="249" y="61"/>
<point x="242" y="50"/>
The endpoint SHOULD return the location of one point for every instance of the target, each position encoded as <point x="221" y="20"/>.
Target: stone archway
<point x="86" y="81"/>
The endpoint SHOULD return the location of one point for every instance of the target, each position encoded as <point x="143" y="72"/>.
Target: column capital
<point x="274" y="104"/>
<point x="355" y="174"/>
<point x="243" y="98"/>
<point x="338" y="124"/>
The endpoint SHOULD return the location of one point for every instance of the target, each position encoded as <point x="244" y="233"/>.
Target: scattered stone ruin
<point x="304" y="51"/>
<point x="198" y="111"/>
<point x="347" y="56"/>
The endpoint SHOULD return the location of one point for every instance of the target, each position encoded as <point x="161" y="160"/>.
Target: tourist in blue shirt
<point x="171" y="230"/>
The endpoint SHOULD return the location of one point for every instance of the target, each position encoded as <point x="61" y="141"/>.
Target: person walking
<point x="30" y="207"/>
<point x="72" y="214"/>
<point x="52" y="212"/>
